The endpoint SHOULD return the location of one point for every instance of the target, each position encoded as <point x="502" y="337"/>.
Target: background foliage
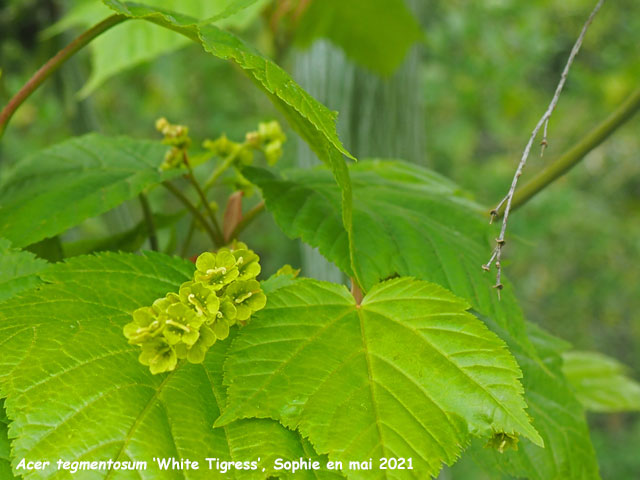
<point x="487" y="71"/>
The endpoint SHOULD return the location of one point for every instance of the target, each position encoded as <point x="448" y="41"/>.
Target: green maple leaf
<point x="408" y="373"/>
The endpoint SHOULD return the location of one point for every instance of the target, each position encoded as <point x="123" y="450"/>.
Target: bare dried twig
<point x="543" y="122"/>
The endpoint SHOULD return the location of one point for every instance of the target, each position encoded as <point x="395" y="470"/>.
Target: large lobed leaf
<point x="410" y="221"/>
<point x="408" y="373"/>
<point x="59" y="187"/>
<point x="406" y="221"/>
<point x="18" y="270"/>
<point x="76" y="391"/>
<point x="374" y="33"/>
<point x="600" y="382"/>
<point x="314" y="122"/>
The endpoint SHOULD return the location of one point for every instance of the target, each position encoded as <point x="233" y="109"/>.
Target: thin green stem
<point x="52" y="65"/>
<point x="217" y="173"/>
<point x="148" y="220"/>
<point x="576" y="153"/>
<point x="223" y="167"/>
<point x="246" y="220"/>
<point x="203" y="200"/>
<point x="189" y="237"/>
<point x="195" y="212"/>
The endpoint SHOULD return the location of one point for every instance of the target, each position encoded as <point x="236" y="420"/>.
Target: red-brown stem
<point x="52" y="65"/>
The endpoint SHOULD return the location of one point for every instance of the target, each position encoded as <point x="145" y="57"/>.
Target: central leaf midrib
<point x="220" y="404"/>
<point x="374" y="405"/>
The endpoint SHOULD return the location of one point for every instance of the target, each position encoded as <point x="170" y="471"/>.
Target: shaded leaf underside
<point x="600" y="382"/>
<point x="59" y="187"/>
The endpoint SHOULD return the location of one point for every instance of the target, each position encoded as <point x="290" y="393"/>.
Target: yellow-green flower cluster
<point x="271" y="137"/>
<point x="268" y="138"/>
<point x="177" y="136"/>
<point x="224" y="291"/>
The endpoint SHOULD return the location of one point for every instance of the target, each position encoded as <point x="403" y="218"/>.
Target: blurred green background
<point x="476" y="84"/>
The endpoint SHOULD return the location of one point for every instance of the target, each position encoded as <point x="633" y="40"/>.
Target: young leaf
<point x="61" y="186"/>
<point x="557" y="415"/>
<point x="407" y="221"/>
<point x="600" y="382"/>
<point x="76" y="391"/>
<point x="18" y="270"/>
<point x="314" y="122"/>
<point x="408" y="373"/>
<point x="356" y="27"/>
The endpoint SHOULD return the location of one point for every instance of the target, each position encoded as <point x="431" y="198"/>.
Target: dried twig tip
<point x="543" y="124"/>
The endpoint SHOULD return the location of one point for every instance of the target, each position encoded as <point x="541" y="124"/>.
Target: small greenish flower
<point x="198" y="350"/>
<point x="288" y="270"/>
<point x="200" y="297"/>
<point x="181" y="324"/>
<point x="270" y="131"/>
<point x="247" y="263"/>
<point x="221" y="146"/>
<point x="145" y="326"/>
<point x="245" y="157"/>
<point x="502" y="441"/>
<point x="172" y="159"/>
<point x="162" y="304"/>
<point x="176" y="136"/>
<point x="227" y="312"/>
<point x="273" y="152"/>
<point x="181" y="350"/>
<point x="247" y="297"/>
<point x="216" y="269"/>
<point x="221" y="329"/>
<point x="253" y="139"/>
<point x="224" y="319"/>
<point x="159" y="356"/>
